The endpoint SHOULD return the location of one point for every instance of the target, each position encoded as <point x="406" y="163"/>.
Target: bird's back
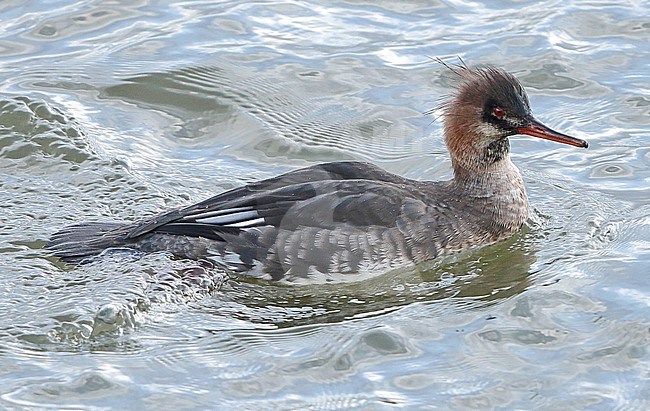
<point x="344" y="217"/>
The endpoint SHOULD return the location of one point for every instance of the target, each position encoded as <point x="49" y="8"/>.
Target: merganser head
<point x="490" y="105"/>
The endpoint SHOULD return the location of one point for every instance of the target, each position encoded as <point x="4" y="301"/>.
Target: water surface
<point x="117" y="111"/>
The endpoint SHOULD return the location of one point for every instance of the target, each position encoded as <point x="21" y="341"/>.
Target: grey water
<point x="120" y="110"/>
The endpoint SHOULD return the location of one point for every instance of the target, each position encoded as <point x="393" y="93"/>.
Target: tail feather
<point x="79" y="241"/>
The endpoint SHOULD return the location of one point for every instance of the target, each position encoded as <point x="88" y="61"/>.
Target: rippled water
<point x="119" y="110"/>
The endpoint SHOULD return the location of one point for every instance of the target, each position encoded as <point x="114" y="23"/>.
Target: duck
<point x="350" y="217"/>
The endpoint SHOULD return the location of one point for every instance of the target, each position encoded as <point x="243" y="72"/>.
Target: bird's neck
<point x="487" y="177"/>
<point x="496" y="190"/>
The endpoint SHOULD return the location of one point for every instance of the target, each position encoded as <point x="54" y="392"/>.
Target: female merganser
<point x="349" y="217"/>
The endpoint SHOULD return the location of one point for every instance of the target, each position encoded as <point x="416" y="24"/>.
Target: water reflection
<point x="474" y="279"/>
<point x="108" y="307"/>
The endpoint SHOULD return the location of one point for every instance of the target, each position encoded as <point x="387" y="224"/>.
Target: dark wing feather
<point x="357" y="193"/>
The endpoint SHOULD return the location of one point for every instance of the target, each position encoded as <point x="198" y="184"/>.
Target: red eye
<point x="498" y="112"/>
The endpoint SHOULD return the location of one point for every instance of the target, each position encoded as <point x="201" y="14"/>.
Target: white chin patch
<point x="490" y="131"/>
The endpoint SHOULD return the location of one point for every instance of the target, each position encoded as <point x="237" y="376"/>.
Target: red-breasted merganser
<point x="349" y="217"/>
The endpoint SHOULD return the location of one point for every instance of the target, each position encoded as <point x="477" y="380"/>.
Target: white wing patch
<point x="248" y="223"/>
<point x="215" y="213"/>
<point x="240" y="217"/>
